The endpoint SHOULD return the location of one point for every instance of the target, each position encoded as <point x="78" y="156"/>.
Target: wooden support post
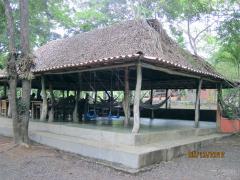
<point x="76" y="117"/>
<point x="95" y="97"/>
<point x="136" y="112"/>
<point x="95" y="100"/>
<point x="67" y="93"/>
<point x="151" y="96"/>
<point x="219" y="97"/>
<point x="5" y="90"/>
<point x="52" y="98"/>
<point x="111" y="101"/>
<point x="166" y="96"/>
<point x="126" y="100"/>
<point x="44" y="98"/>
<point x="38" y="94"/>
<point x="63" y="95"/>
<point x="197" y="103"/>
<point x="151" y="102"/>
<point x="75" y="111"/>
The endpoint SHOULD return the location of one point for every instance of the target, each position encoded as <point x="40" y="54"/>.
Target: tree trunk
<point x="197" y="104"/>
<point x="13" y="104"/>
<point x="191" y="39"/>
<point x="51" y="112"/>
<point x="26" y="91"/>
<point x="9" y="105"/>
<point x="136" y="112"/>
<point x="11" y="69"/>
<point x="24" y="27"/>
<point x="25" y="70"/>
<point x="44" y="111"/>
<point x="10" y="28"/>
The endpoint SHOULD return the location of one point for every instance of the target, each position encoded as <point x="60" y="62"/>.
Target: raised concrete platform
<point x="116" y="146"/>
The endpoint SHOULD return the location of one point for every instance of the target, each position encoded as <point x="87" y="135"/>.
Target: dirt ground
<point x="41" y="162"/>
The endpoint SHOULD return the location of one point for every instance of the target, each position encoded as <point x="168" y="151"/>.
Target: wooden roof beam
<point x="169" y="71"/>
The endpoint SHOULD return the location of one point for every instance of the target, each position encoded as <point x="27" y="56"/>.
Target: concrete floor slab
<point x="119" y="148"/>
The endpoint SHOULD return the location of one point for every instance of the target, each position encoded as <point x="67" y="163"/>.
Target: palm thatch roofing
<point x="120" y="43"/>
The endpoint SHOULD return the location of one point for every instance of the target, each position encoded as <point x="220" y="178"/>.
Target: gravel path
<point x="41" y="162"/>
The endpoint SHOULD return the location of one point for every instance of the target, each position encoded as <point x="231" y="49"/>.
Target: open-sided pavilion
<point x="134" y="55"/>
<point x="130" y="56"/>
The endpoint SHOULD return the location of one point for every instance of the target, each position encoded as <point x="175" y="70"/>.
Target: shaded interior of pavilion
<point x="96" y="97"/>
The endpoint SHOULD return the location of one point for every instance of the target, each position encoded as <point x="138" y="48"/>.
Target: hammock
<point x="154" y="106"/>
<point x="90" y="116"/>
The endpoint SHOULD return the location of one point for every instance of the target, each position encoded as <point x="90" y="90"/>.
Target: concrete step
<point x="125" y="157"/>
<point x="116" y="136"/>
<point x="169" y="135"/>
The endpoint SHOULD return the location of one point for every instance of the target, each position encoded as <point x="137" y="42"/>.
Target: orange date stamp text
<point x="205" y="154"/>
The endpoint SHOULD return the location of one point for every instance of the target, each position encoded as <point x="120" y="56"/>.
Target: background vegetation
<point x="210" y="28"/>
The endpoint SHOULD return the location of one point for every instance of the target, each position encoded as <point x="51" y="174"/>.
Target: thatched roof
<point x="117" y="43"/>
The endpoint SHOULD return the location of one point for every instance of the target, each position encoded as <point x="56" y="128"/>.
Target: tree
<point x="20" y="110"/>
<point x="25" y="65"/>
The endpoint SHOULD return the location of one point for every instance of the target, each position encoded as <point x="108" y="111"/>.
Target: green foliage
<point x="230" y="103"/>
<point x="210" y="39"/>
<point x="59" y="12"/>
<point x="229" y="37"/>
<point x="230" y="29"/>
<point x="89" y="18"/>
<point x="183" y="9"/>
<point x="3" y="59"/>
<point x="229" y="53"/>
<point x="227" y="69"/>
<point x="3" y="37"/>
